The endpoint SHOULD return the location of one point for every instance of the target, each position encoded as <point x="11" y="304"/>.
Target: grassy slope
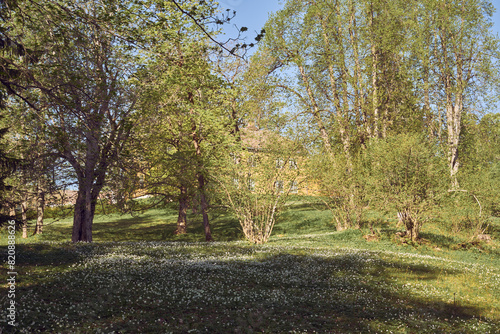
<point x="307" y="278"/>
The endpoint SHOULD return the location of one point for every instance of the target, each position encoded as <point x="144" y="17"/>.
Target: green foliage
<point x="129" y="93"/>
<point x="405" y="174"/>
<point x="342" y="188"/>
<point x="87" y="84"/>
<point x="8" y="164"/>
<point x="184" y="123"/>
<point x="479" y="194"/>
<point x="358" y="71"/>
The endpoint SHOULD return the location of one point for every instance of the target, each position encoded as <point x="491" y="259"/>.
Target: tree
<point x="362" y="70"/>
<point x="8" y="165"/>
<point x="462" y="59"/>
<point x="346" y="69"/>
<point x="477" y="199"/>
<point x="90" y="51"/>
<point x="84" y="103"/>
<point x="350" y="63"/>
<point x="342" y="191"/>
<point x="36" y="181"/>
<point x="184" y="124"/>
<point x="12" y="51"/>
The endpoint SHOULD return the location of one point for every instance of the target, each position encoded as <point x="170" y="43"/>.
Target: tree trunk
<point x="201" y="187"/>
<point x="84" y="214"/>
<point x="40" y="212"/>
<point x="454" y="80"/>
<point x="375" y="93"/>
<point x="182" y="217"/>
<point x="204" y="208"/>
<point x="454" y="123"/>
<point x="316" y="113"/>
<point x="24" y="209"/>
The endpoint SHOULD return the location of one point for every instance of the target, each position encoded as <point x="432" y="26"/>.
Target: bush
<point x="405" y="173"/>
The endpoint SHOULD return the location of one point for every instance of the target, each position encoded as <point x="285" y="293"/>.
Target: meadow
<point x="138" y="277"/>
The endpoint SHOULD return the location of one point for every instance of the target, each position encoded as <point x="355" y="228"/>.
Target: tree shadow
<point x="151" y="227"/>
<point x="439" y="240"/>
<point x="348" y="293"/>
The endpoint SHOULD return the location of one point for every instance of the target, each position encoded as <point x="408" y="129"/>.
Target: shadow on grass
<point x="278" y="293"/>
<point x="494" y="228"/>
<point x="439" y="240"/>
<point x="119" y="229"/>
<point x="46" y="254"/>
<point x="307" y="220"/>
<point x="156" y="226"/>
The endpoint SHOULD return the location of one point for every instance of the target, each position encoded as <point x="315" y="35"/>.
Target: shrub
<point x="405" y="173"/>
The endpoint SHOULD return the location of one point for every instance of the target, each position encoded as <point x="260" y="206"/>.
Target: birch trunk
<point x="24" y="217"/>
<point x="453" y="113"/>
<point x="40" y="211"/>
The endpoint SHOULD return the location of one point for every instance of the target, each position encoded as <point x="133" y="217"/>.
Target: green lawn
<point x="137" y="277"/>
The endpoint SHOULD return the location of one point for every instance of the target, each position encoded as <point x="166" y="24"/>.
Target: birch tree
<point x="462" y="59"/>
<point x="344" y="67"/>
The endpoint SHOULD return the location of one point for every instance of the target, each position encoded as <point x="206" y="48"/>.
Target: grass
<point x="137" y="277"/>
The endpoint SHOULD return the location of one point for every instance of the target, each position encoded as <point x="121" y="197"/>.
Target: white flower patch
<point x="132" y="283"/>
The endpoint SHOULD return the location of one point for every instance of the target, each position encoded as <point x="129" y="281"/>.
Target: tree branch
<point x="204" y="30"/>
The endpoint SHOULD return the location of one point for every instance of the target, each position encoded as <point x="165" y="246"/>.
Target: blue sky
<point x="254" y="13"/>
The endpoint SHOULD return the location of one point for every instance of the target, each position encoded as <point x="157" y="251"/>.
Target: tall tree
<point x="360" y="70"/>
<point x="11" y="51"/>
<point x="343" y="65"/>
<point x="183" y="111"/>
<point x="349" y="61"/>
<point x="84" y="103"/>
<point x="463" y="50"/>
<point x="36" y="179"/>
